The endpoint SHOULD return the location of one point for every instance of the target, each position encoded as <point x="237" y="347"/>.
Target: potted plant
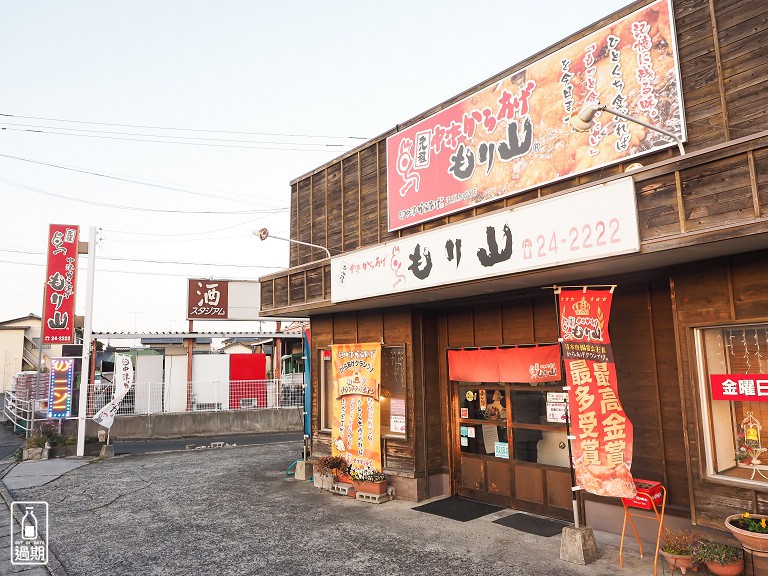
<point x="368" y="480"/>
<point x="721" y="559"/>
<point x="677" y="549"/>
<point x="326" y="468"/>
<point x="750" y="530"/>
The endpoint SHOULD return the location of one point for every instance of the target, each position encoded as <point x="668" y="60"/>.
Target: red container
<point x="648" y="494"/>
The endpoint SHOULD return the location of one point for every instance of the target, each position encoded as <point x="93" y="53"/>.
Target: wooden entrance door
<point x="506" y="452"/>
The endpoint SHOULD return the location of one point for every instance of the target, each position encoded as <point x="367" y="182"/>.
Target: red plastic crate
<point x="648" y="494"/>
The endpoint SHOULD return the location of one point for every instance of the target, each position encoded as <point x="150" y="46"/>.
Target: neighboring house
<point x="19" y="348"/>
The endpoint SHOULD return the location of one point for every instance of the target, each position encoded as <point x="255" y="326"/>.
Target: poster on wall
<point x="602" y="434"/>
<point x="60" y="284"/>
<point x="515" y="134"/>
<point x="356" y="430"/>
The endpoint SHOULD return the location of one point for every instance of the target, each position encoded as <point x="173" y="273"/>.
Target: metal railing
<point x="211" y="396"/>
<point x="17" y="408"/>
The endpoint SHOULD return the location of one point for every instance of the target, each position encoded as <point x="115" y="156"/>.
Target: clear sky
<point x="219" y="105"/>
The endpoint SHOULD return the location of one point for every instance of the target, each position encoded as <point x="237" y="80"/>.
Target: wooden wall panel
<point x="292" y="250"/>
<point x="305" y="221"/>
<point x="351" y="202"/>
<point x="460" y="328"/>
<point x="370" y="326"/>
<point x="719" y="194"/>
<point x="657" y="211"/>
<point x="334" y="211"/>
<point x="369" y="233"/>
<point x="517" y="321"/>
<point x="545" y="327"/>
<point x="345" y="328"/>
<point x="487" y="322"/>
<point x="319" y="219"/>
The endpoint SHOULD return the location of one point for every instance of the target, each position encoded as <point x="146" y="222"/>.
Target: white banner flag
<point x="123" y="380"/>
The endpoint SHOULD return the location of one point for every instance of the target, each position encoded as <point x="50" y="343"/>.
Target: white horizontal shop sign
<point x="588" y="224"/>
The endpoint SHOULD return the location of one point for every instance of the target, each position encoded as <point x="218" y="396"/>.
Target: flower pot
<point x="684" y="562"/>
<point x="748" y="540"/>
<point x="732" y="569"/>
<point x="370" y="487"/>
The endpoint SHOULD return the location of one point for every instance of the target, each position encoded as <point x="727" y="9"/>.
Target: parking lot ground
<point x="233" y="511"/>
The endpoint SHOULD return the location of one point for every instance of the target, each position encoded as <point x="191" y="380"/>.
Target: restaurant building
<point x="448" y="233"/>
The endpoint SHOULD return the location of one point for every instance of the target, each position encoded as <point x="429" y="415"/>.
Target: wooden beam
<point x="719" y="64"/>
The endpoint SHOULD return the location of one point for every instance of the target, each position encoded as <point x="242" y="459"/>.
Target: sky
<point x="175" y="127"/>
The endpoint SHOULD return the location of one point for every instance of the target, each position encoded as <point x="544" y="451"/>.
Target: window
<point x="733" y="387"/>
<point x="392" y="397"/>
<point x="393" y="404"/>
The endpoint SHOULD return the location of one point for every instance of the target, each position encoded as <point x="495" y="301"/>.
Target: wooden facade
<point x="703" y="221"/>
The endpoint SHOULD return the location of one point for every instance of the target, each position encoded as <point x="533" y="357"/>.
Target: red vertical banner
<point x="602" y="433"/>
<point x="60" y="284"/>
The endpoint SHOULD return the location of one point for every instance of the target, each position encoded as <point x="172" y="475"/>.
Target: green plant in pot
<point x="678" y="549"/>
<point x="721" y="559"/>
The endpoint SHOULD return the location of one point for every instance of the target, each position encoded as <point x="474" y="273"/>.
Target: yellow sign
<point x="356" y="411"/>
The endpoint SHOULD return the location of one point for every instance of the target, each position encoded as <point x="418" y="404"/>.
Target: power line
<point x="136" y="208"/>
<point x="84" y="268"/>
<point x="118" y="259"/>
<point x="122" y="178"/>
<point x="183" y="129"/>
<point x="34" y="128"/>
<point x="164" y="141"/>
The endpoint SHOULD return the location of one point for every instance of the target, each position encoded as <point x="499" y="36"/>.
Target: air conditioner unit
<point x="248" y="403"/>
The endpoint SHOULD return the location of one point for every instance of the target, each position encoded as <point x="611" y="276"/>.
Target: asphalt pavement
<point x="233" y="511"/>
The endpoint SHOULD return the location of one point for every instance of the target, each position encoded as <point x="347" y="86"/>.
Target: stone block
<point x="578" y="545"/>
<point x="303" y="470"/>
<point x="107" y="451"/>
<point x="372" y="498"/>
<point x="341" y="488"/>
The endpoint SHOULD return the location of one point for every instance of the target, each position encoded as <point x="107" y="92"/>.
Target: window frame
<point x="703" y="393"/>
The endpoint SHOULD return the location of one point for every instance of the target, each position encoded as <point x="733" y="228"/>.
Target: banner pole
<point x="575" y="489"/>
<point x="85" y="378"/>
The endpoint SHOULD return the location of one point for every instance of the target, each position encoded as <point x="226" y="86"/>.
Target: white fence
<point x="169" y="398"/>
<point x="180" y="397"/>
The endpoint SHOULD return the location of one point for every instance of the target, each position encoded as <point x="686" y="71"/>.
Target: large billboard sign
<point x="591" y="223"/>
<point x="60" y="284"/>
<point x="515" y="135"/>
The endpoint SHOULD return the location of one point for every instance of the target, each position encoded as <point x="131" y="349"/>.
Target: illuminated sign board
<point x="60" y="395"/>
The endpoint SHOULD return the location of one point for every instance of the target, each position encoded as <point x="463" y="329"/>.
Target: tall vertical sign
<point x="60" y="285"/>
<point x="123" y="382"/>
<point x="356" y="410"/>
<point x="602" y="433"/>
<point x="60" y="390"/>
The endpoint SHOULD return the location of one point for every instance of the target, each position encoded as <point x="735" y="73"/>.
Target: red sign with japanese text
<point x="739" y="387"/>
<point x="602" y="434"/>
<point x="60" y="284"/>
<point x="207" y="299"/>
<point x="515" y="135"/>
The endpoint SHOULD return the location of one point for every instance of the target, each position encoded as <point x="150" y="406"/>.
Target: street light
<point x="582" y="122"/>
<point x="263" y="234"/>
